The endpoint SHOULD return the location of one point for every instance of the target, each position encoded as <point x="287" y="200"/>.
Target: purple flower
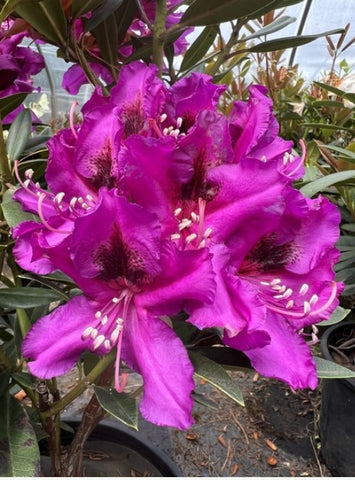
<point x="17" y="65"/>
<point x="130" y="277"/>
<point x="159" y="203"/>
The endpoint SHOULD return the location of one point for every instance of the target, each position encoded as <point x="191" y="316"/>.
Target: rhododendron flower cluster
<point x="158" y="203"/>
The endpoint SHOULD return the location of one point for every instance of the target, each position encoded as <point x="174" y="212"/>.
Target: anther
<point x="290" y="304"/>
<point x="191" y="238"/>
<point x="194" y="217"/>
<point x="165" y="131"/>
<point x="306" y="308"/>
<point x="115" y="334"/>
<point x="185" y="223"/>
<point x="175" y="236"/>
<point x="98" y="314"/>
<point x="267" y="284"/>
<point x="314" y="299"/>
<point x="202" y="244"/>
<point x="115" y="300"/>
<point x="208" y="232"/>
<point x="104" y="320"/>
<point x="94" y="333"/>
<point x="163" y="117"/>
<point x="304" y="289"/>
<point x="86" y="333"/>
<point x="73" y="202"/>
<point x="263" y="159"/>
<point x="89" y="198"/>
<point x="177" y="212"/>
<point x="29" y="173"/>
<point x="107" y="344"/>
<point x="99" y="341"/>
<point x="179" y="122"/>
<point x="59" y="197"/>
<point x="275" y="281"/>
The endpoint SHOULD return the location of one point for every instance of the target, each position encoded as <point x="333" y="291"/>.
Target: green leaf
<point x="337" y="316"/>
<point x="8" y="104"/>
<point x="100" y="14"/>
<point x="10" y="6"/>
<point x="336" y="91"/>
<point x="346" y="154"/>
<point x="13" y="212"/>
<point x="25" y="380"/>
<point x="19" y="133"/>
<point x="199" y="47"/>
<point x="19" y="450"/>
<point x="217" y="376"/>
<point x="328" y="369"/>
<point x="274" y="26"/>
<point x="320" y="184"/>
<point x="26" y="297"/>
<point x="213" y="12"/>
<point x="288" y="42"/>
<point x="80" y="8"/>
<point x="119" y="405"/>
<point x="47" y="17"/>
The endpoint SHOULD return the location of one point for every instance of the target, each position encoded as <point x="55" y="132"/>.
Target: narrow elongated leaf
<point x="274" y="26"/>
<point x="336" y="91"/>
<point x="328" y="369"/>
<point x="288" y="42"/>
<point x="19" y="450"/>
<point x="346" y="154"/>
<point x="320" y="184"/>
<point x="47" y="17"/>
<point x="100" y="14"/>
<point x="217" y="376"/>
<point x="199" y="48"/>
<point x="10" y="6"/>
<point x="19" y="133"/>
<point x="26" y="297"/>
<point x="212" y="12"/>
<point x="8" y="104"/>
<point x="119" y="405"/>
<point x="13" y="212"/>
<point x="80" y="8"/>
<point x="337" y="316"/>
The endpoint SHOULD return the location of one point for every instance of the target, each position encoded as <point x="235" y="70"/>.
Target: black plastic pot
<point x="115" y="451"/>
<point x="337" y="414"/>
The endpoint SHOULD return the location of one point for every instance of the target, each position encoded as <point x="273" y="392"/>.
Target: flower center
<point x="106" y="331"/>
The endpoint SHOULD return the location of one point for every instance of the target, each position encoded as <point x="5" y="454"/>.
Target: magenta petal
<point x="185" y="282"/>
<point x="54" y="343"/>
<point x="152" y="348"/>
<point x="287" y="357"/>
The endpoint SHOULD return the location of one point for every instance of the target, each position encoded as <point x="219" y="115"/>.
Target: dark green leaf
<point x="80" y="7"/>
<point x="328" y="369"/>
<point x="216" y="375"/>
<point x="4" y="384"/>
<point x="119" y="405"/>
<point x="272" y="27"/>
<point x="13" y="212"/>
<point x="47" y="17"/>
<point x="101" y="13"/>
<point x="213" y="12"/>
<point x="288" y="42"/>
<point x="320" y="184"/>
<point x="199" y="47"/>
<point x="26" y="297"/>
<point x="19" y="451"/>
<point x="25" y="380"/>
<point x="327" y="103"/>
<point x="8" y="104"/>
<point x="10" y="6"/>
<point x="19" y="133"/>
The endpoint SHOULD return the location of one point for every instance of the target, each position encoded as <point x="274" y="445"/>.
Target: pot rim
<point x="324" y="341"/>
<point x="134" y="440"/>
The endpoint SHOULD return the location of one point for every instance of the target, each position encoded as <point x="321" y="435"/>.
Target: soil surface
<point x="274" y="435"/>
